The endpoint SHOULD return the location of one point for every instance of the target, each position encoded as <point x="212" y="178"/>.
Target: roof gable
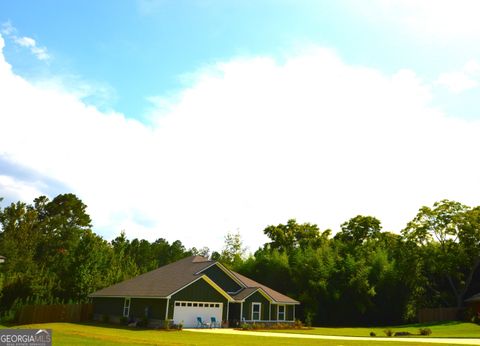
<point x="223" y="277"/>
<point x="274" y="295"/>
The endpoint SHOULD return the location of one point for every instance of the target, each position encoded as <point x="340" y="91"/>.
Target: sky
<point x="190" y="119"/>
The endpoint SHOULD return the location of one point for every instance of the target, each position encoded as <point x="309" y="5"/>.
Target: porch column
<point x="241" y="312"/>
<point x="228" y="312"/>
<point x="166" y="310"/>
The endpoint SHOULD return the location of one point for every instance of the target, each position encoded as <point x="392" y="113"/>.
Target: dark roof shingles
<point x="166" y="280"/>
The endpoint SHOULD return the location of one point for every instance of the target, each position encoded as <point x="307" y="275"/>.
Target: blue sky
<point x="153" y="43"/>
<point x="190" y="111"/>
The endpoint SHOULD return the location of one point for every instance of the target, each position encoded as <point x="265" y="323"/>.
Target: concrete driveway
<point x="458" y="341"/>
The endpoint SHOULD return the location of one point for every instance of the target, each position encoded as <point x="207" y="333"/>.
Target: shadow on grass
<point x="123" y="327"/>
<point x="432" y="324"/>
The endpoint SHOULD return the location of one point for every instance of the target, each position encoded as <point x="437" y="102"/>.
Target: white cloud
<point x="431" y="19"/>
<point x="465" y="79"/>
<point x="41" y="53"/>
<point x="14" y="189"/>
<point x="249" y="143"/>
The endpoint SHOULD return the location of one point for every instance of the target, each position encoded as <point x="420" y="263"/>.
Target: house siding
<point x="274" y="310"/>
<point x="222" y="279"/>
<point x="200" y="291"/>
<point x="156" y="308"/>
<point x="256" y="298"/>
<point x="108" y="306"/>
<point x="290" y="313"/>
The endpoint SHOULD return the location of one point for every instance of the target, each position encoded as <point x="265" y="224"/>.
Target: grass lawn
<point x="93" y="334"/>
<point x="453" y="329"/>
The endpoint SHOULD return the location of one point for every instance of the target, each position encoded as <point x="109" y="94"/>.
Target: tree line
<point x="359" y="275"/>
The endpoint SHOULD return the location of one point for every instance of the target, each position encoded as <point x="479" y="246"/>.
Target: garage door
<point x="188" y="312"/>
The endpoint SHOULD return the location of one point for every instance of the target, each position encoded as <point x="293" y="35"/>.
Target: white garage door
<point x="188" y="312"/>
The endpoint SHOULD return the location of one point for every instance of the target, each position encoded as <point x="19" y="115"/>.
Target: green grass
<point x="452" y="329"/>
<point x="91" y="334"/>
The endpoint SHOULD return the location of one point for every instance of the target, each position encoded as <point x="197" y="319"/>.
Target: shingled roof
<point x="160" y="282"/>
<point x="166" y="280"/>
<point x="249" y="283"/>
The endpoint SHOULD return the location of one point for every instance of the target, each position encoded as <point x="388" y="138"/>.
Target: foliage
<point x="425" y="331"/>
<point x="143" y="322"/>
<point x="233" y="252"/>
<point x="166" y="324"/>
<point x="372" y="334"/>
<point x="388" y="332"/>
<point x="105" y="318"/>
<point x="53" y="256"/>
<point x="360" y="276"/>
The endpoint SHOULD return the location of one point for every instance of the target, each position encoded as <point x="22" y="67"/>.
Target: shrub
<point x="123" y="320"/>
<point x="425" y="331"/>
<point x="373" y="334"/>
<point x="8" y="317"/>
<point x="388" y="332"/>
<point x="258" y="326"/>
<point x="402" y="333"/>
<point x="105" y="318"/>
<point x="167" y="324"/>
<point x="247" y="326"/>
<point x="143" y="322"/>
<point x="298" y="324"/>
<point x="309" y="319"/>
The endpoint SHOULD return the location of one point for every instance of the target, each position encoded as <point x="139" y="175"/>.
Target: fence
<point x="440" y="314"/>
<point x="55" y="313"/>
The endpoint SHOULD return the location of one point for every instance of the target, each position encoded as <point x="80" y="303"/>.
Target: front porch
<point x="257" y="310"/>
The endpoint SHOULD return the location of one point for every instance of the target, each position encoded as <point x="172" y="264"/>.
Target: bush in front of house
<point x="123" y="320"/>
<point x="372" y="334"/>
<point x="143" y="322"/>
<point x="388" y="332"/>
<point x="402" y="334"/>
<point x="246" y="326"/>
<point x="425" y="331"/>
<point x="279" y="325"/>
<point x="105" y="318"/>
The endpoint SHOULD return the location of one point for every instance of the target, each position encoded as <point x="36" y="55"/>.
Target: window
<point x="126" y="307"/>
<point x="256" y="307"/>
<point x="177" y="303"/>
<point x="281" y="313"/>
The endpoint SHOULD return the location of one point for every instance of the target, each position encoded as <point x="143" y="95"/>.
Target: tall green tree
<point x="360" y="229"/>
<point x="285" y="238"/>
<point x="449" y="237"/>
<point x="233" y="252"/>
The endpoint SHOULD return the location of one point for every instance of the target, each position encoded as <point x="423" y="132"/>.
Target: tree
<point x="360" y="229"/>
<point x="285" y="238"/>
<point x="449" y="236"/>
<point x="233" y="252"/>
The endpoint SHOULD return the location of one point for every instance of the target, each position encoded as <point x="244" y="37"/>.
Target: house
<point x="190" y="288"/>
<point x="474" y="303"/>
